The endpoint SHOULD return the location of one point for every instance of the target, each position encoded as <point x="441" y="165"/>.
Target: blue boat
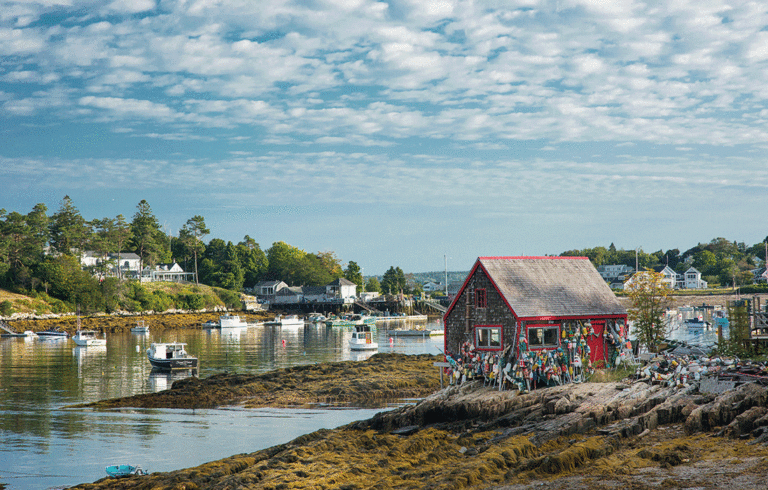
<point x="124" y="471"/>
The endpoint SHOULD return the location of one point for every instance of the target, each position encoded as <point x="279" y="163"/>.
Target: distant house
<point x="670" y="276"/>
<point x="123" y="264"/>
<point x="615" y="271"/>
<point x="536" y="300"/>
<point x="431" y="287"/>
<point x="342" y="289"/>
<point x="265" y="291"/>
<point x="170" y="272"/>
<point x="760" y="275"/>
<point x="691" y="279"/>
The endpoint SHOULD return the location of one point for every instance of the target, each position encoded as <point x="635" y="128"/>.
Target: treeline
<point x="40" y="256"/>
<point x="721" y="262"/>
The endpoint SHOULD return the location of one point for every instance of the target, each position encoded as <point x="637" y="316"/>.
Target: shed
<point x="540" y="301"/>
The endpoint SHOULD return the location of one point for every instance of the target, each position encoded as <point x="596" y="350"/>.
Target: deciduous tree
<point x="650" y="299"/>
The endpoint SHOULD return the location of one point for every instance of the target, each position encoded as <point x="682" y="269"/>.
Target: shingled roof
<point x="551" y="286"/>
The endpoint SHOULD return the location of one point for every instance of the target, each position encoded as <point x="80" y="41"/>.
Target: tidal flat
<point x="581" y="436"/>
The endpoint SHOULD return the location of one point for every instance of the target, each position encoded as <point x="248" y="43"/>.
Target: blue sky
<point x="394" y="133"/>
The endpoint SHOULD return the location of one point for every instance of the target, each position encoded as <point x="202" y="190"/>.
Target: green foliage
<point x="373" y="285"/>
<point x="650" y="299"/>
<point x="737" y="343"/>
<point x="354" y="274"/>
<point x="6" y="308"/>
<point x="393" y="281"/>
<point x="230" y="298"/>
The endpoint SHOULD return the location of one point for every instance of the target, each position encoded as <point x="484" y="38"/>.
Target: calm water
<point x="44" y="445"/>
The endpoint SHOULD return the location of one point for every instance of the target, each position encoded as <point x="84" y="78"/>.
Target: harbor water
<point x="44" y="445"/>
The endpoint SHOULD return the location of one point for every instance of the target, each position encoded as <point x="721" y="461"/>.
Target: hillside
<point x="131" y="297"/>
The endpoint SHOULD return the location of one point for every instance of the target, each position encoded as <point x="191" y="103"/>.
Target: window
<point x="488" y="337"/>
<point x="481" y="301"/>
<point x="541" y="336"/>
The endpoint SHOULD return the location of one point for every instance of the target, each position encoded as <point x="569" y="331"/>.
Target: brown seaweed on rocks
<point x="589" y="435"/>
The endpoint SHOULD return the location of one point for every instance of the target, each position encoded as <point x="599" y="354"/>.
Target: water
<point x="44" y="444"/>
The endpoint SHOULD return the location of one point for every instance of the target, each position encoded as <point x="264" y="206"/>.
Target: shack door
<point x="595" y="342"/>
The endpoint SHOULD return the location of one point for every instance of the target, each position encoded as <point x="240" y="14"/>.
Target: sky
<point x="407" y="133"/>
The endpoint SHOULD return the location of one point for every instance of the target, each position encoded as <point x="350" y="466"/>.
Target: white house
<point x="691" y="279"/>
<point x="166" y="272"/>
<point x="431" y="287"/>
<point x="670" y="276"/>
<point x="343" y="289"/>
<point x="125" y="264"/>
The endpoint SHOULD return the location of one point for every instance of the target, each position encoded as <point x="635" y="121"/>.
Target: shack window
<point x="480" y="299"/>
<point x="488" y="337"/>
<point x="541" y="336"/>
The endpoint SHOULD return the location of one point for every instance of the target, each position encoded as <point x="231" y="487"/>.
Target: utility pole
<point x="445" y="257"/>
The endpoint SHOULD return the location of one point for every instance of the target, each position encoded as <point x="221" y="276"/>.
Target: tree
<point x="148" y="239"/>
<point x="373" y="285"/>
<point x="102" y="240"/>
<point x="253" y="261"/>
<point x="122" y="235"/>
<point x="192" y="233"/>
<point x="393" y="281"/>
<point x="69" y="231"/>
<point x="354" y="274"/>
<point x="284" y="262"/>
<point x="650" y="299"/>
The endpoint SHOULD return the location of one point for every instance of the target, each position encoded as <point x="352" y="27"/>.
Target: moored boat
<point x="231" y="321"/>
<point x="170" y="356"/>
<point x="286" y="321"/>
<point x="316" y="318"/>
<point x="696" y="324"/>
<point x="53" y="332"/>
<point x="363" y="338"/>
<point x="124" y="471"/>
<point x="87" y="338"/>
<point x="140" y="327"/>
<point x="211" y="324"/>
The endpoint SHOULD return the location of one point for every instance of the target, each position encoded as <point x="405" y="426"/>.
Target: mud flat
<point x="579" y="436"/>
<point x="116" y="323"/>
<point x="374" y="382"/>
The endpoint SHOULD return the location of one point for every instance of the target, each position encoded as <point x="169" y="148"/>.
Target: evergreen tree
<point x="148" y="240"/>
<point x="191" y="234"/>
<point x="69" y="231"/>
<point x="354" y="274"/>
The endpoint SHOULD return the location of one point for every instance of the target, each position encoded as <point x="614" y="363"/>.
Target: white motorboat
<point x="316" y="318"/>
<point x="88" y="338"/>
<point x="170" y="356"/>
<point x="211" y="324"/>
<point x="140" y="327"/>
<point x="363" y="338"/>
<point x="287" y="321"/>
<point x="231" y="321"/>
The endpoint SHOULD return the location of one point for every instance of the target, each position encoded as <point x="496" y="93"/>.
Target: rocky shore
<point x="591" y="435"/>
<point x="379" y="379"/>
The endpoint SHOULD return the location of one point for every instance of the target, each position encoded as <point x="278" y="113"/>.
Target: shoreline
<point x="580" y="436"/>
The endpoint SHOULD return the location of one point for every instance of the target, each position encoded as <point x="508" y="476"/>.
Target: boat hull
<point x="363" y="346"/>
<point x="174" y="363"/>
<point x="89" y="342"/>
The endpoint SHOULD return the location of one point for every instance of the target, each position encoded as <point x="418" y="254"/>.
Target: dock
<point x="9" y="332"/>
<point x="413" y="318"/>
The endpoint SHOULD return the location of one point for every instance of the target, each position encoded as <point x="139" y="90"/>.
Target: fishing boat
<point x="231" y="321"/>
<point x="87" y="338"/>
<point x="211" y="324"/>
<point x="351" y="321"/>
<point x="316" y="318"/>
<point x="53" y="332"/>
<point x="170" y="356"/>
<point x="124" y="471"/>
<point x="362" y="338"/>
<point x="696" y="324"/>
<point x="287" y="321"/>
<point x="140" y="327"/>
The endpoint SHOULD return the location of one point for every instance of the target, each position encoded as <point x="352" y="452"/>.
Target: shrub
<point x="6" y="308"/>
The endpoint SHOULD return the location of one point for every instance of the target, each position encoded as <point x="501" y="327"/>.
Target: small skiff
<point x="124" y="470"/>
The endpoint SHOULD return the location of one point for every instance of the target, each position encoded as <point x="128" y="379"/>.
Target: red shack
<point x="535" y="306"/>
